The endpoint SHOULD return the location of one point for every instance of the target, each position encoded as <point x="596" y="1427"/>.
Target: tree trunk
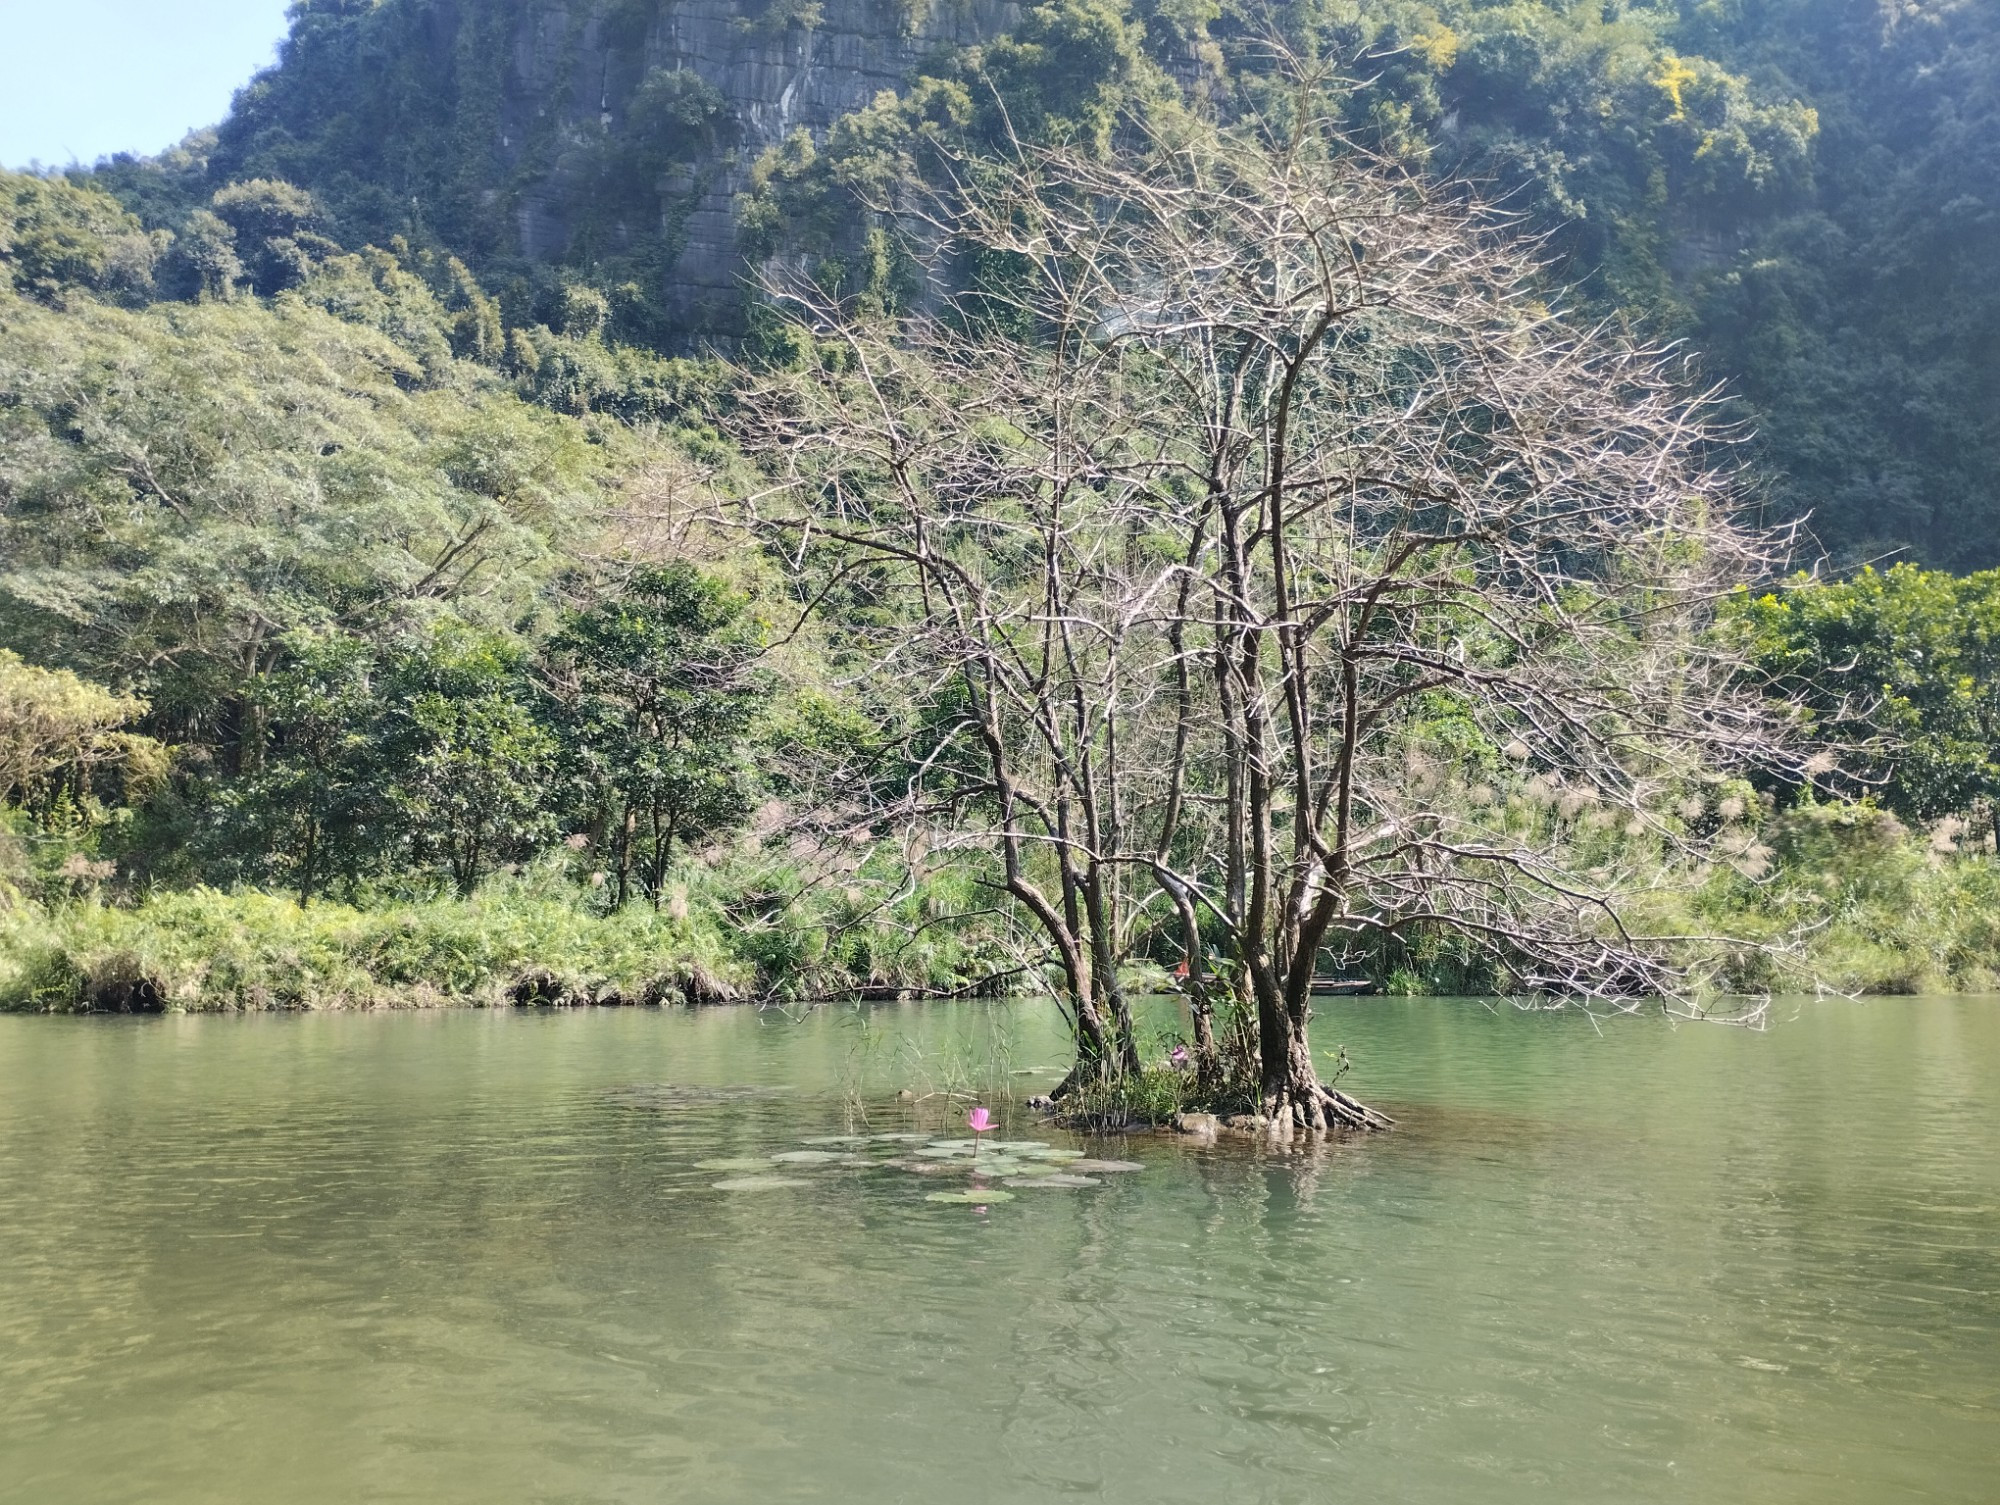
<point x="308" y="863"/>
<point x="662" y="859"/>
<point x="1093" y="1048"/>
<point x="1201" y="1002"/>
<point x="625" y="830"/>
<point x="1295" y="1097"/>
<point x="1104" y="965"/>
<point x="468" y="867"/>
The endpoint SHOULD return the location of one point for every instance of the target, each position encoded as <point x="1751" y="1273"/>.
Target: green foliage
<point x="318" y="533"/>
<point x="1802" y="188"/>
<point x="533" y="937"/>
<point x="56" y="236"/>
<point x="469" y="760"/>
<point x="205" y="950"/>
<point x="275" y="227"/>
<point x="1904" y="667"/>
<point x="376" y="290"/>
<point x="659" y="693"/>
<point x="1062" y="74"/>
<point x="184" y="486"/>
<point x="581" y="374"/>
<point x="314" y="810"/>
<point x="424" y="756"/>
<point x="203" y="262"/>
<point x="1860" y="322"/>
<point x="1152" y="1095"/>
<point x="68" y="768"/>
<point x="364" y="111"/>
<point x="1880" y="910"/>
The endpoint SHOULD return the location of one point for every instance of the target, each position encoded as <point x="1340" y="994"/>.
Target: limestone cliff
<point x="612" y="134"/>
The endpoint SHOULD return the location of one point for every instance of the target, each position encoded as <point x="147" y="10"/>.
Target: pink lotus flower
<point x="979" y="1120"/>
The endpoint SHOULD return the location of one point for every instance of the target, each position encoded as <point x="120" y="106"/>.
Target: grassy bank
<point x="1871" y="905"/>
<point x="513" y="942"/>
<point x="1831" y="896"/>
<point x="1841" y="897"/>
<point x="209" y="950"/>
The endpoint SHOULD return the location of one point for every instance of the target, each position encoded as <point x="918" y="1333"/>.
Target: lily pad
<point x="807" y="1157"/>
<point x="1103" y="1167"/>
<point x="759" y="1183"/>
<point x="943" y="1152"/>
<point x="1055" y="1180"/>
<point x="836" y="1139"/>
<point x="971" y="1198"/>
<point x="1050" y="1154"/>
<point x="898" y="1138"/>
<point x="952" y="1144"/>
<point x="739" y="1163"/>
<point x="1020" y="1146"/>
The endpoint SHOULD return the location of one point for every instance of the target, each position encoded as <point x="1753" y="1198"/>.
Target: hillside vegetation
<point x="386" y="614"/>
<point x="393" y="612"/>
<point x="1807" y="191"/>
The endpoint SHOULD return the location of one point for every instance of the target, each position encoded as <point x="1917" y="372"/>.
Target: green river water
<point x="473" y="1257"/>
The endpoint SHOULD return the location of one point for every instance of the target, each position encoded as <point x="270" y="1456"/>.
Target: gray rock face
<point x="584" y="60"/>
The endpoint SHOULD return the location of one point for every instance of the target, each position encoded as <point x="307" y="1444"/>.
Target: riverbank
<point x="1836" y="898"/>
<point x="207" y="951"/>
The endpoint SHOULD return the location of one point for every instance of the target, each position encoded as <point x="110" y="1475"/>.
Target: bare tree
<point x="1010" y="595"/>
<point x="1274" y="544"/>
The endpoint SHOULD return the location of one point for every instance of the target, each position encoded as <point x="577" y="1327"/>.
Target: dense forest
<point x="1804" y="190"/>
<point x="407" y="591"/>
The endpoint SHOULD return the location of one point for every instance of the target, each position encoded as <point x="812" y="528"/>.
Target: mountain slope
<point x="1808" y="191"/>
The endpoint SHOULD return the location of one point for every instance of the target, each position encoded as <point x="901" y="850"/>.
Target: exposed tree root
<point x="1314" y="1105"/>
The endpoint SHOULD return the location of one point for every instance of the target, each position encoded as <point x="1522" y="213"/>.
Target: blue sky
<point x="80" y="79"/>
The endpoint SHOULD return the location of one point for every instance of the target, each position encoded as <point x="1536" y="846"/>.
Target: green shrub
<point x="528" y="937"/>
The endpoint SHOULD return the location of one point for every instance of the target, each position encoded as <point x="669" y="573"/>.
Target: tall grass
<point x="1868" y="905"/>
<point x="533" y="940"/>
<point x="208" y="950"/>
<point x="1841" y="897"/>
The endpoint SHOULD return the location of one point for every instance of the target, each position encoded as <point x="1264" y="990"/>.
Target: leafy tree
<point x="56" y="236"/>
<point x="425" y="753"/>
<point x="476" y="333"/>
<point x="61" y="736"/>
<point x="316" y="810"/>
<point x="659" y="692"/>
<point x="276" y="230"/>
<point x="1062" y="74"/>
<point x="182" y="487"/>
<point x="470" y="761"/>
<point x="1900" y="670"/>
<point x="203" y="262"/>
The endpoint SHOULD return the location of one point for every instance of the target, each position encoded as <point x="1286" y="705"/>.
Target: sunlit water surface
<point x="460" y="1257"/>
